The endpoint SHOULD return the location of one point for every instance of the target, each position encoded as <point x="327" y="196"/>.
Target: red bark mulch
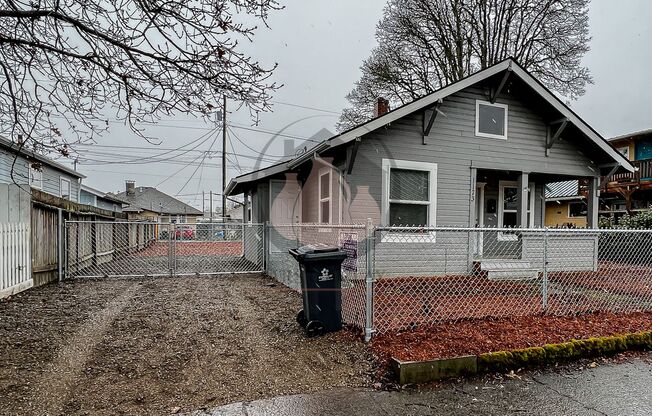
<point x="478" y="336"/>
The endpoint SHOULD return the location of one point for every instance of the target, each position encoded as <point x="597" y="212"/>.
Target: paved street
<point x="609" y="389"/>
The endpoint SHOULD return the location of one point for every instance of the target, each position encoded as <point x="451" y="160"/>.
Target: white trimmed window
<point x="624" y="150"/>
<point x="35" y="177"/>
<point x="490" y="120"/>
<point x="409" y="194"/>
<point x="325" y="196"/>
<point x="64" y="187"/>
<point x="508" y="207"/>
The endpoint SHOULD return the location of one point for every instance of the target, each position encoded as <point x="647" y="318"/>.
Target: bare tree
<point x="425" y="44"/>
<point x="65" y="64"/>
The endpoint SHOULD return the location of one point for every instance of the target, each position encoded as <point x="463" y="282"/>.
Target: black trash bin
<point x="321" y="282"/>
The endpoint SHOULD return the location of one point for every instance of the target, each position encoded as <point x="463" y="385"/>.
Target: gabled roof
<point x="29" y="154"/>
<point x="151" y="199"/>
<point x="426" y="101"/>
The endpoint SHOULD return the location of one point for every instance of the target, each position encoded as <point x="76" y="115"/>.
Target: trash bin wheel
<point x="314" y="328"/>
<point x="301" y="319"/>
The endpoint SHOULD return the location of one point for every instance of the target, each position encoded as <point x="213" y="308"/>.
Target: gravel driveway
<point x="161" y="345"/>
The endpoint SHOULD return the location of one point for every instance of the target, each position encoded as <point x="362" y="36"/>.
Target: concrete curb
<point x="433" y="370"/>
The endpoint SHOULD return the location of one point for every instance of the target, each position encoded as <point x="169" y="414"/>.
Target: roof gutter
<point x="229" y="187"/>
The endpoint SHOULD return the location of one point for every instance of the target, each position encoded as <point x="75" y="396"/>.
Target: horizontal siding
<point x="452" y="144"/>
<point x="51" y="176"/>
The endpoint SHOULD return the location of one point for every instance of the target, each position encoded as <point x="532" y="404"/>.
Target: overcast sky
<point x="319" y="47"/>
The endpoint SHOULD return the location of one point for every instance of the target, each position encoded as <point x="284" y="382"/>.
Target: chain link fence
<point x="394" y="278"/>
<point x="112" y="249"/>
<point x="427" y="276"/>
<point x="351" y="238"/>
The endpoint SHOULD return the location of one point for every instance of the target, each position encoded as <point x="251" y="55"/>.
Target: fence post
<point x="369" y="282"/>
<point x="266" y="239"/>
<point x="544" y="283"/>
<point x="60" y="227"/>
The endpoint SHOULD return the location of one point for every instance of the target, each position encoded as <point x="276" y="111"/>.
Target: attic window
<point x="490" y="120"/>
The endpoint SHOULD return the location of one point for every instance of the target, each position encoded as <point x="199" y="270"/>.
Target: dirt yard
<point x="161" y="345"/>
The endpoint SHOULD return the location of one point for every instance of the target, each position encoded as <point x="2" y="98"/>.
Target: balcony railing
<point x="642" y="174"/>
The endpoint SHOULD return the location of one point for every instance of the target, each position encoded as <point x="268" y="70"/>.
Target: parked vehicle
<point x="185" y="232"/>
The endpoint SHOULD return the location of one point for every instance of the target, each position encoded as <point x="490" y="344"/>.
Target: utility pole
<point x="223" y="157"/>
<point x="203" y="202"/>
<point x="211" y="204"/>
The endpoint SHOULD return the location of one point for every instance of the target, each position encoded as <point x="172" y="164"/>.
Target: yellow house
<point x="565" y="207"/>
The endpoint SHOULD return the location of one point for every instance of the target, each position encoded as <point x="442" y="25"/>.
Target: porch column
<point x="473" y="196"/>
<point x="522" y="200"/>
<point x="593" y="202"/>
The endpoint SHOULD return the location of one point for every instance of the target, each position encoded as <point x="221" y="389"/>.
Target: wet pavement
<point x="608" y="389"/>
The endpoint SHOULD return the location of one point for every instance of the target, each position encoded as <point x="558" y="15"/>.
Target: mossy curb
<point x="553" y="353"/>
<point x="424" y="371"/>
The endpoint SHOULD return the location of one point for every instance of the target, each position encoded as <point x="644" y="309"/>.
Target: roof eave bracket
<point x="552" y="139"/>
<point x="354" y="152"/>
<point x="431" y="120"/>
<point x="503" y="81"/>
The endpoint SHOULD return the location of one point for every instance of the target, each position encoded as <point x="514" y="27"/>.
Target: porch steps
<point x="507" y="269"/>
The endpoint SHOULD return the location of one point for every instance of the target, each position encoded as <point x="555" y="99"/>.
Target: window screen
<point x="408" y="185"/>
<point x="491" y="120"/>
<point x="409" y="198"/>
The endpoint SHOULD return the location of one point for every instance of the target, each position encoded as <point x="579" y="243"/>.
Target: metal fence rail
<point x="108" y="249"/>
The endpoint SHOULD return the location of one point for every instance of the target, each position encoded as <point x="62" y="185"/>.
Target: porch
<point x="503" y="200"/>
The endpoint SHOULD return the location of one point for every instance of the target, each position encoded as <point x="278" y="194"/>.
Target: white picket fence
<point x="15" y="259"/>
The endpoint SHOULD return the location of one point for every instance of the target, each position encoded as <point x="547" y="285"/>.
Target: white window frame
<point x="478" y="133"/>
<point x="501" y="207"/>
<point x="61" y="182"/>
<point x="569" y="209"/>
<point x="32" y="173"/>
<point x="624" y="150"/>
<point x="329" y="199"/>
<point x="431" y="168"/>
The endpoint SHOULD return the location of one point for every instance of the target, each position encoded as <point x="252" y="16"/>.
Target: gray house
<point x="37" y="171"/>
<point x="478" y="152"/>
<point x="96" y="198"/>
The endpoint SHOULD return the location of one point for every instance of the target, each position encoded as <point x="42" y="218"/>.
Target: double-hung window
<point x="35" y="177"/>
<point x="64" y="188"/>
<point x="490" y="120"/>
<point x="508" y="207"/>
<point x="325" y="196"/>
<point x="410" y="194"/>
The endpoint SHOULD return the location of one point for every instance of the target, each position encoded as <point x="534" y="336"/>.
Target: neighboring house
<point x="93" y="197"/>
<point x="478" y="152"/>
<point x="565" y="207"/>
<point x="37" y="171"/>
<point x="630" y="192"/>
<point x="147" y="203"/>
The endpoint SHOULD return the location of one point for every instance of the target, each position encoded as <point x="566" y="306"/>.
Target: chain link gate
<point x="143" y="249"/>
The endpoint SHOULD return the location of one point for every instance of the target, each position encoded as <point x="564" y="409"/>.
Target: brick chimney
<point x="381" y="107"/>
<point x="130" y="188"/>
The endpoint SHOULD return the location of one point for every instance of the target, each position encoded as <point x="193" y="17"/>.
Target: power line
<point x="306" y="107"/>
<point x="251" y="148"/>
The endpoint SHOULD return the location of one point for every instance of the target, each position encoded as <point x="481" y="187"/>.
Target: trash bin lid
<point x="316" y="248"/>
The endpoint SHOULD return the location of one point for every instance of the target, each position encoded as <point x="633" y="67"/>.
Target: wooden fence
<point x="46" y="213"/>
<point x="15" y="264"/>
